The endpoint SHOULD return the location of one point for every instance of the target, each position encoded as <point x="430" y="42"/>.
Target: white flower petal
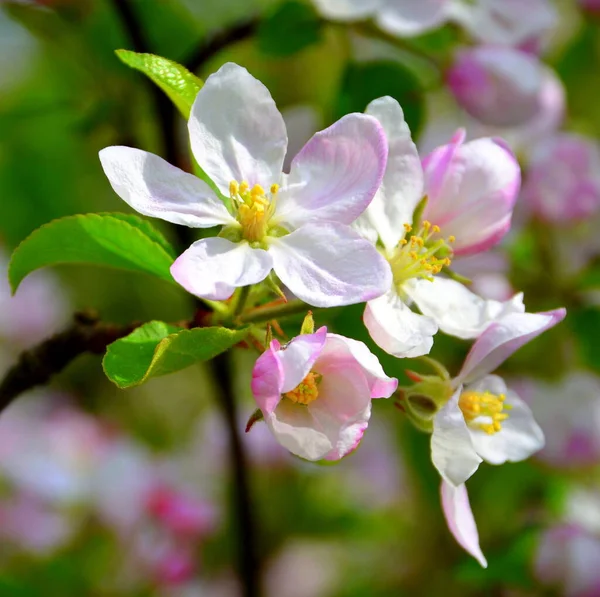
<point x="459" y="516"/>
<point x="520" y="436"/>
<point x="295" y="429"/>
<point x="412" y="17"/>
<point x="348" y="10"/>
<point x="328" y="265"/>
<point x="452" y="450"/>
<point x="396" y="329"/>
<point x="336" y="174"/>
<point x="504" y="337"/>
<point x="236" y="130"/>
<point x="155" y="188"/>
<point x="457" y="311"/>
<point x="380" y="385"/>
<point x="402" y="185"/>
<point x="213" y="268"/>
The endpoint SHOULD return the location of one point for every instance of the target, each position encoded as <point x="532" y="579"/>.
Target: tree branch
<point x="248" y="555"/>
<point x="220" y="40"/>
<point x="37" y="366"/>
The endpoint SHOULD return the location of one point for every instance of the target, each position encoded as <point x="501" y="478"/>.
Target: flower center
<point x="307" y="391"/>
<point x="484" y="410"/>
<point x="418" y="256"/>
<point x="254" y="208"/>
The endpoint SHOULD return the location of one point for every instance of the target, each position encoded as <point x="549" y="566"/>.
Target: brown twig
<point x="38" y="365"/>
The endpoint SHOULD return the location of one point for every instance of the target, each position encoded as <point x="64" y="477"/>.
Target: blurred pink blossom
<point x="499" y="86"/>
<point x="38" y="309"/>
<point x="569" y="414"/>
<point x="563" y="180"/>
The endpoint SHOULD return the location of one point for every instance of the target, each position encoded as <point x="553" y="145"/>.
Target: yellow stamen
<point x="419" y="254"/>
<point x="307" y="391"/>
<point x="484" y="410"/>
<point x="254" y="208"/>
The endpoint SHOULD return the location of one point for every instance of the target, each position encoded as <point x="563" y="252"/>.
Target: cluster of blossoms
<point x="359" y="218"/>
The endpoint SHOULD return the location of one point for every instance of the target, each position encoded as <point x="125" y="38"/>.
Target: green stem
<point x="242" y="299"/>
<point x="264" y="314"/>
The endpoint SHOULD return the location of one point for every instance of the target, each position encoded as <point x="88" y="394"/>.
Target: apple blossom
<point x="296" y="224"/>
<point x="483" y="419"/>
<point x="472" y="189"/>
<point x="398" y="17"/>
<point x="563" y="180"/>
<point x="315" y="393"/>
<point x="500" y="86"/>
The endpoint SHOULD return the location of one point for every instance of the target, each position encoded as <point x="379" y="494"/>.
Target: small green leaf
<point x="113" y="240"/>
<point x="175" y="80"/>
<point x="292" y="27"/>
<point x="157" y="348"/>
<point x="367" y="81"/>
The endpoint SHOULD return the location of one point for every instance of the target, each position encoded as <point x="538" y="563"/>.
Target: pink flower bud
<point x="499" y="86"/>
<point x="563" y="182"/>
<point x="471" y="188"/>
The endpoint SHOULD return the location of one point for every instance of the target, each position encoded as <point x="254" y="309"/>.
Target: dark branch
<point x="37" y="366"/>
<point x="248" y="555"/>
<point x="220" y="40"/>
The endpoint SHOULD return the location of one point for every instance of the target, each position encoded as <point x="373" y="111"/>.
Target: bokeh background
<point x="111" y="493"/>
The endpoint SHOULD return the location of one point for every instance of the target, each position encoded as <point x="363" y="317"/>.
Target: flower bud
<point x="496" y="85"/>
<point x="563" y="182"/>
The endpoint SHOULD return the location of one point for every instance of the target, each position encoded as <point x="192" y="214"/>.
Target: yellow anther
<point x="451" y="238"/>
<point x="307" y="391"/>
<point x="274" y="189"/>
<point x="234" y="188"/>
<point x="436" y="229"/>
<point x="484" y="410"/>
<point x="244" y="186"/>
<point x="427" y="225"/>
<point x="407" y="227"/>
<point x="257" y="191"/>
<point x="403" y="242"/>
<point x="413" y="255"/>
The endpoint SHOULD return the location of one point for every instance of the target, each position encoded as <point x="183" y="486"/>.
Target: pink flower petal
<point x="459" y="516"/>
<point x="267" y="379"/>
<point x="336" y="174"/>
<point x="504" y="337"/>
<point x="299" y="356"/>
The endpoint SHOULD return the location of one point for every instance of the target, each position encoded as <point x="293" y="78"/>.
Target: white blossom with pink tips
<point x="472" y="190"/>
<point x="297" y="224"/>
<point x="485" y="420"/>
<point x="315" y="393"/>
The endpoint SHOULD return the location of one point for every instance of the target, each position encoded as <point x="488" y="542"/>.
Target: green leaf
<point x="367" y="81"/>
<point x="113" y="240"/>
<point x="585" y="325"/>
<point x="175" y="80"/>
<point x="157" y="348"/>
<point x="292" y="27"/>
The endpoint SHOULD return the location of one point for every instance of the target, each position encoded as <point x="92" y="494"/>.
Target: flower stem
<point x="242" y="299"/>
<point x="263" y="314"/>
